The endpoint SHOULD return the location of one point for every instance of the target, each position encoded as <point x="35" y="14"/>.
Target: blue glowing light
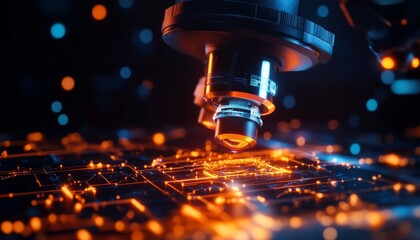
<point x="387" y="77"/>
<point x="146" y="36"/>
<point x="406" y="87"/>
<point x="289" y="102"/>
<point x="63" y="119"/>
<point x="355" y="149"/>
<point x="125" y="72"/>
<point x="125" y="3"/>
<point x="58" y="30"/>
<point x="354" y="121"/>
<point x="372" y="105"/>
<point x="124" y="133"/>
<point x="56" y="106"/>
<point x="323" y="11"/>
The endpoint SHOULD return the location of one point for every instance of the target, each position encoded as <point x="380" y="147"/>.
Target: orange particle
<point x="35" y="223"/>
<point x="404" y="21"/>
<point x="415" y="63"/>
<point x="295" y="222"/>
<point x="35" y="137"/>
<point x="119" y="226"/>
<point x="158" y="138"/>
<point x="388" y="63"/>
<point x="18" y="227"/>
<point x="267" y="135"/>
<point x="83" y="234"/>
<point x="300" y="141"/>
<point x="7" y="227"/>
<point x="99" y="12"/>
<point x="67" y="83"/>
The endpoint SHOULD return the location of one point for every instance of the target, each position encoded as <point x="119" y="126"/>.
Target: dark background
<point x="93" y="52"/>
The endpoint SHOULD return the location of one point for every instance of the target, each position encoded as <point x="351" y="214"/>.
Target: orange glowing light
<point x="267" y="135"/>
<point x="330" y="233"/>
<point x="375" y="219"/>
<point x="28" y="147"/>
<point x="415" y="63"/>
<point x="330" y="210"/>
<point x="155" y="227"/>
<point x="35" y="223"/>
<point x="330" y="149"/>
<point x="191" y="212"/>
<point x="67" y="192"/>
<point x="393" y="160"/>
<point x="48" y="202"/>
<point x="106" y="144"/>
<point x="295" y="222"/>
<point x="119" y="226"/>
<point x="18" y="227"/>
<point x="341" y="218"/>
<point x="67" y="83"/>
<point x="403" y="21"/>
<point x="158" y="138"/>
<point x="35" y="137"/>
<point x="99" y="221"/>
<point x="397" y="187"/>
<point x="7" y="227"/>
<point x="300" y="141"/>
<point x="83" y="234"/>
<point x="194" y="154"/>
<point x="78" y="207"/>
<point x="410" y="188"/>
<point x="264" y="220"/>
<point x="138" y="205"/>
<point x="99" y="12"/>
<point x="52" y="218"/>
<point x="388" y="63"/>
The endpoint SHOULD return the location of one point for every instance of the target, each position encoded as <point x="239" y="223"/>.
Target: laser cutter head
<point x="245" y="44"/>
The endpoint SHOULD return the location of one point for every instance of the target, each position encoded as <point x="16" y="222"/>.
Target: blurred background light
<point x="68" y="83"/>
<point x="371" y="105"/>
<point x="58" y="30"/>
<point x="387" y="77"/>
<point x="415" y="63"/>
<point x="406" y="87"/>
<point x="323" y="11"/>
<point x="56" y="106"/>
<point x="146" y="36"/>
<point x="289" y="102"/>
<point x="125" y="72"/>
<point x="355" y="148"/>
<point x="388" y="62"/>
<point x="63" y="119"/>
<point x="99" y="12"/>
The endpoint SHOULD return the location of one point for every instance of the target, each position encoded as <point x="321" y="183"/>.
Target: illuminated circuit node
<point x="243" y="166"/>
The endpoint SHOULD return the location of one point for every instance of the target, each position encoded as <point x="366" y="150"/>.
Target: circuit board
<point x="71" y="188"/>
